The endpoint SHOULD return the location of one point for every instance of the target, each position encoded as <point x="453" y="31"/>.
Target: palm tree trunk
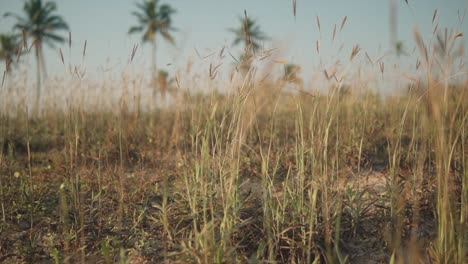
<point x="43" y="69"/>
<point x="43" y="65"/>
<point x="38" y="80"/>
<point x="153" y="66"/>
<point x="154" y="69"/>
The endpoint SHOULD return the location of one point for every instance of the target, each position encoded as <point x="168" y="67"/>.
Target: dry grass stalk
<point x="334" y="32"/>
<point x="435" y="15"/>
<point x="32" y="45"/>
<point x="461" y="18"/>
<point x="19" y="53"/>
<point x="354" y="52"/>
<point x="318" y="23"/>
<point x="84" y="48"/>
<point x="422" y="47"/>
<point x="221" y="52"/>
<point x="294" y="7"/>
<point x="369" y="59"/>
<point x="61" y="56"/>
<point x="343" y="23"/>
<point x="213" y="71"/>
<point x="134" y="50"/>
<point x="69" y="40"/>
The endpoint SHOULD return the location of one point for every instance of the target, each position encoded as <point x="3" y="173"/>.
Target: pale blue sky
<point x="203" y="25"/>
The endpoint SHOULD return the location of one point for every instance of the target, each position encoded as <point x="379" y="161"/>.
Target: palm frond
<point x="141" y="18"/>
<point x="135" y="29"/>
<point x="50" y="38"/>
<point x="17" y="17"/>
<point x="167" y="36"/>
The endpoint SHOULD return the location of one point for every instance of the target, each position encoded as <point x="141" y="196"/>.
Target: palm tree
<point x="248" y="33"/>
<point x="8" y="49"/>
<point x="153" y="19"/>
<point x="40" y="23"/>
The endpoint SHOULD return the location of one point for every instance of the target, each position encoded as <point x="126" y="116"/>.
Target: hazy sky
<point x="203" y="26"/>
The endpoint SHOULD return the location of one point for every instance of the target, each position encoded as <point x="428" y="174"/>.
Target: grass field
<point x="256" y="174"/>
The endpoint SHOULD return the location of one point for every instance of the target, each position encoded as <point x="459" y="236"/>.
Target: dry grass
<point x="238" y="178"/>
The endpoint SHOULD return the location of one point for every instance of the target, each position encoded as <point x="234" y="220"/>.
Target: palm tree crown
<point x="8" y="49"/>
<point x="40" y="22"/>
<point x="249" y="33"/>
<point x="152" y="19"/>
